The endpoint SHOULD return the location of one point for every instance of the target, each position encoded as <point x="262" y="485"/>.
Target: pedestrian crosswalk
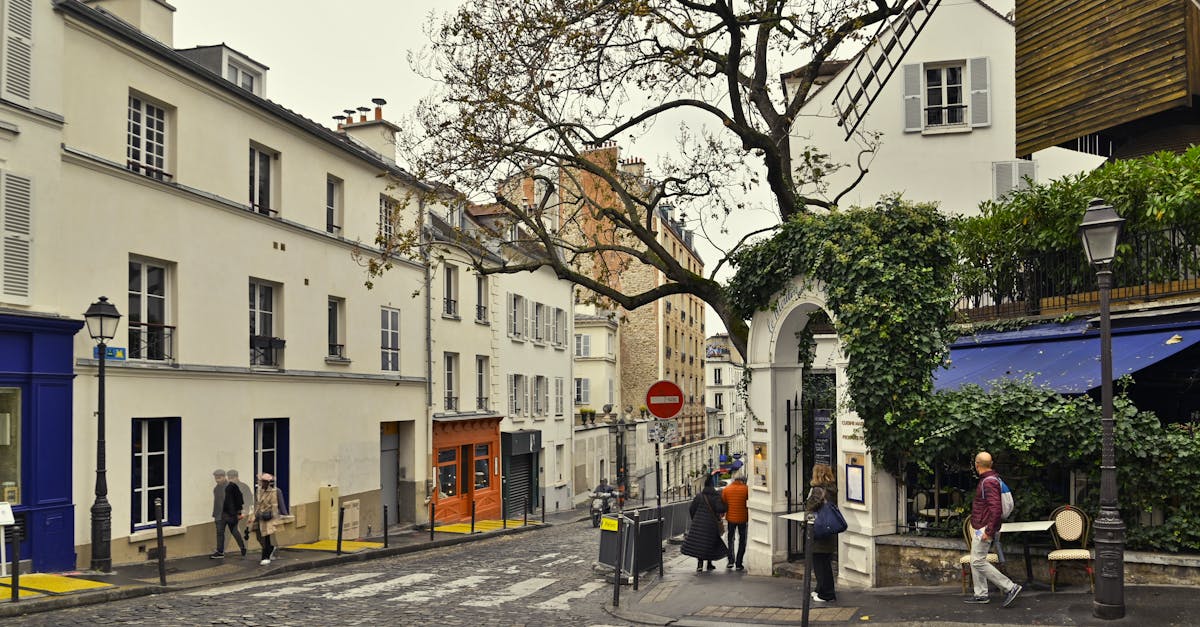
<point x="481" y="590"/>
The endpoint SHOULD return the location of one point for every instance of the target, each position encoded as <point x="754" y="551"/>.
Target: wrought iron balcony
<point x="152" y="342"/>
<point x="266" y="351"/>
<point x="450" y="307"/>
<point x="481" y="402"/>
<point x="451" y="403"/>
<point x="481" y="313"/>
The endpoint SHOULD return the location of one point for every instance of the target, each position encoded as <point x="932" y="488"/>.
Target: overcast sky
<point x="325" y="57"/>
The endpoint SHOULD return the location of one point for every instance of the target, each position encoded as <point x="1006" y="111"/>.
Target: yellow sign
<point x="609" y="524"/>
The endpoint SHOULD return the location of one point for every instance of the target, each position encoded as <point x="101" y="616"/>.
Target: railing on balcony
<point x="337" y="350"/>
<point x="481" y="402"/>
<point x="450" y="307"/>
<point x="153" y="342"/>
<point x="481" y="313"/>
<point x="266" y="351"/>
<point x="1150" y="266"/>
<point x="451" y="403"/>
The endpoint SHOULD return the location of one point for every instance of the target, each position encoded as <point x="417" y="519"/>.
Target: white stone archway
<point x="776" y="377"/>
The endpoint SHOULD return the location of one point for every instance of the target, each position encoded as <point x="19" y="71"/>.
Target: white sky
<point x="325" y="57"/>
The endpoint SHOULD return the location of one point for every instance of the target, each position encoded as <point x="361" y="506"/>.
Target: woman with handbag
<point x="703" y="540"/>
<point x="824" y="489"/>
<point x="268" y="509"/>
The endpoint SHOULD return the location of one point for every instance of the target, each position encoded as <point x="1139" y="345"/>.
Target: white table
<point x="1026" y="527"/>
<point x="796" y="516"/>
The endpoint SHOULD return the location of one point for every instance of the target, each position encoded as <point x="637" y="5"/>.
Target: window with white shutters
<point x="558" y="396"/>
<point x="582" y="395"/>
<point x="583" y="345"/>
<point x="18" y="51"/>
<point x="16" y="238"/>
<point x="947" y="96"/>
<point x="1009" y="176"/>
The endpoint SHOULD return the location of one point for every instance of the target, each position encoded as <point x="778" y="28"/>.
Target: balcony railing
<point x="481" y="402"/>
<point x="150" y="171"/>
<point x="452" y="403"/>
<point x="1150" y="266"/>
<point x="266" y="351"/>
<point x="481" y="313"/>
<point x="450" y="307"/>
<point x="337" y="350"/>
<point x="153" y="342"/>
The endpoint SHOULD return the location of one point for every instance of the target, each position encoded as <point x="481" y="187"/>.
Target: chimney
<point x="153" y="17"/>
<point x="377" y="135"/>
<point x="634" y="166"/>
<point x="341" y="121"/>
<point x="378" y="102"/>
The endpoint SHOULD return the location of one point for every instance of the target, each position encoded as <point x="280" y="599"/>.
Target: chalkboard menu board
<point x="823" y="437"/>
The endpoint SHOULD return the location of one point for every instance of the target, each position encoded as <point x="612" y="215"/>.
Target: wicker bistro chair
<point x="1070" y="532"/>
<point x="964" y="562"/>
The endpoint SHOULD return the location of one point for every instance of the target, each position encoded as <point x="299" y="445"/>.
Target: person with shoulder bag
<point x="823" y="493"/>
<point x="703" y="540"/>
<point x="269" y="508"/>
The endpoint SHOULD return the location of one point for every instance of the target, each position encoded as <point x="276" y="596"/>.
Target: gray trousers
<point x="982" y="571"/>
<point x="222" y="524"/>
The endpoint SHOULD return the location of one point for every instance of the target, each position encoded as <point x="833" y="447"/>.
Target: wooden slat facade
<point x="1085" y="66"/>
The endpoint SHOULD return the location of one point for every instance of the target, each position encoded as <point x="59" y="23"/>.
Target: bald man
<point x="986" y="518"/>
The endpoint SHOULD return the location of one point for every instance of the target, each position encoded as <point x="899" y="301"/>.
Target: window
<point x="582" y="397"/>
<point x="719" y="400"/>
<point x="16" y="237"/>
<point x="262" y="162"/>
<point x="389" y="339"/>
<point x="481" y="382"/>
<point x="149" y="336"/>
<point x="10" y="445"/>
<point x="539" y="318"/>
<point x="333" y="204"/>
<point x="451" y="381"/>
<point x="610" y="342"/>
<point x="483" y="465"/>
<point x="558" y="396"/>
<point x="481" y="298"/>
<point x="516" y="394"/>
<point x="610" y="392"/>
<point x="1010" y="176"/>
<point x="18" y="50"/>
<point x="946" y="96"/>
<point x="450" y="290"/>
<point x="717" y="376"/>
<point x="447" y="464"/>
<point x="265" y="348"/>
<point x="560" y="459"/>
<point x="335" y="328"/>
<point x="389" y="215"/>
<point x="541" y="396"/>
<point x="155" y="471"/>
<point x="271" y="451"/>
<point x="517" y="316"/>
<point x="559" y="329"/>
<point x="242" y="77"/>
<point x="146" y="139"/>
<point x="583" y="345"/>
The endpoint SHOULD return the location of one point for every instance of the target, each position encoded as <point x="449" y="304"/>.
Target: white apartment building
<point x="726" y="408"/>
<point x="222" y="227"/>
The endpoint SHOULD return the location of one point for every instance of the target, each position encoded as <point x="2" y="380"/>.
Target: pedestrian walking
<point x="703" y="539"/>
<point x="227" y="511"/>
<point x="737" y="516"/>
<point x="247" y="494"/>
<point x="269" y="508"/>
<point x="823" y="488"/>
<point x="986" y="518"/>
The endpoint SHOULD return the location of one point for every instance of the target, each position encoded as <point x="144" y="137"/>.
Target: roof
<point x="131" y="35"/>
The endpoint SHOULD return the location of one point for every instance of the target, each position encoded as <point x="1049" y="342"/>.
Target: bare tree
<point x="533" y="93"/>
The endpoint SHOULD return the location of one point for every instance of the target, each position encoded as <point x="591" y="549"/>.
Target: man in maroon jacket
<point x="986" y="518"/>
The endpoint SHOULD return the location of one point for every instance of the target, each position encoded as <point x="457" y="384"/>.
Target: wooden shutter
<point x="1002" y="178"/>
<point x="508" y="308"/>
<point x="16" y="229"/>
<point x="1025" y="170"/>
<point x="913" y="116"/>
<point x="981" y="104"/>
<point x="528" y="396"/>
<point x="512" y="397"/>
<point x="18" y="50"/>
<point x="585" y="395"/>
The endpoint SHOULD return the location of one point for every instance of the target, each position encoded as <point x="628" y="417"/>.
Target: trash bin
<point x="648" y="552"/>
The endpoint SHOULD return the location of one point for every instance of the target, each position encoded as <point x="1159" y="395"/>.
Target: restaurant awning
<point x="1069" y="365"/>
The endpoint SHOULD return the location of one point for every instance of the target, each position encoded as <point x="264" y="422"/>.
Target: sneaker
<point x="1012" y="595"/>
<point x="700" y="568"/>
<point x="740" y="567"/>
<point x="817" y="598"/>
<point x="976" y="600"/>
<point x="729" y="565"/>
<point x="274" y="550"/>
<point x="264" y="562"/>
<point x="217" y="555"/>
<point x="711" y="567"/>
<point x="243" y="551"/>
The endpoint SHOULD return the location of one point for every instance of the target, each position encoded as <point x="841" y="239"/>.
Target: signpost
<point x="664" y="400"/>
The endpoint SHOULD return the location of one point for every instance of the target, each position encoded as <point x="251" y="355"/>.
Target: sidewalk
<point x="725" y="597"/>
<point x="42" y="592"/>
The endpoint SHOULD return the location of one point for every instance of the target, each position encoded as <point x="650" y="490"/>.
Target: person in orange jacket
<point x="737" y="515"/>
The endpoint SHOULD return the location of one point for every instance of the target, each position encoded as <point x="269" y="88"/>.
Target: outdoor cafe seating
<point x="1070" y="532"/>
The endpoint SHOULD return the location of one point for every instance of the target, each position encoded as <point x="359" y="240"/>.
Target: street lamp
<point x="1099" y="231"/>
<point x="102" y="318"/>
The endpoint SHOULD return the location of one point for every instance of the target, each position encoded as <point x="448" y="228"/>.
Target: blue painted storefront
<point x="37" y="358"/>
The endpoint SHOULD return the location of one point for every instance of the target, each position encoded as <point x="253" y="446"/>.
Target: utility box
<point x="350" y="524"/>
<point x="327" y="512"/>
<point x="615" y="531"/>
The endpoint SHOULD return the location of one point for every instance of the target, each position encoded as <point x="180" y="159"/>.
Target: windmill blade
<point x="878" y="61"/>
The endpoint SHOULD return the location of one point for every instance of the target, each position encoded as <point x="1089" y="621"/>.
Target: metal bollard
<point x="808" y="542"/>
<point x="620" y="561"/>
<point x="385" y="527"/>
<point x="637" y="525"/>
<point x="472" y="516"/>
<point x="162" y="551"/>
<point x="525" y="512"/>
<point x="341" y="516"/>
<point x="504" y="513"/>
<point x="543" y="511"/>
<point x="432" y="517"/>
<point x="16" y="563"/>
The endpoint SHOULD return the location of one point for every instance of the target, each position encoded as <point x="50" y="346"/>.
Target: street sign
<point x="664" y="399"/>
<point x="609" y="524"/>
<point x="111" y="353"/>
<point x="663" y="431"/>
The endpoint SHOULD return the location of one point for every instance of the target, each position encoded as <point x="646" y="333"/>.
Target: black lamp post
<point x="102" y="318"/>
<point x="1099" y="231"/>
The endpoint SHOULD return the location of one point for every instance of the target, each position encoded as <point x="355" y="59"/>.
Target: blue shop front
<point x="36" y="373"/>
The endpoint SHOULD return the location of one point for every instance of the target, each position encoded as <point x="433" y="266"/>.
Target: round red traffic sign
<point x="664" y="399"/>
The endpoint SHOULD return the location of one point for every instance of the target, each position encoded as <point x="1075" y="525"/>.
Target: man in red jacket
<point x="986" y="518"/>
<point x="737" y="515"/>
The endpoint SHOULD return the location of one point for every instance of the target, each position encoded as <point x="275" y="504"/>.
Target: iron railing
<point x="452" y="403"/>
<point x="153" y="342"/>
<point x="481" y="402"/>
<point x="337" y="350"/>
<point x="481" y="313"/>
<point x="266" y="351"/>
<point x="450" y="307"/>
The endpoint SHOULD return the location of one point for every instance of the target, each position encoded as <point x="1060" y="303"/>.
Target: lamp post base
<point x="1106" y="611"/>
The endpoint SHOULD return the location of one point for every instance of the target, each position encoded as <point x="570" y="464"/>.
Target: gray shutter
<point x="1002" y="178"/>
<point x="512" y="398"/>
<point x="912" y="98"/>
<point x="16" y="226"/>
<point x="981" y="104"/>
<point x="1026" y="169"/>
<point x="18" y="50"/>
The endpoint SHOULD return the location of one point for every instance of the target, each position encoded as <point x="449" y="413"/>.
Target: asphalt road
<point x="540" y="578"/>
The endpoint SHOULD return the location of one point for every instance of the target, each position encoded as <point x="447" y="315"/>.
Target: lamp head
<point x="102" y="318"/>
<point x="1099" y="231"/>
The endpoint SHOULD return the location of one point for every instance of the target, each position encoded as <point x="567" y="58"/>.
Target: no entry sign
<point x="664" y="399"/>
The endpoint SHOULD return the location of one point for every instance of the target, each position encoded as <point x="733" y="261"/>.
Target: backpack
<point x="1006" y="500"/>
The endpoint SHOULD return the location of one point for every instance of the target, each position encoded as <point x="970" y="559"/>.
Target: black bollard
<point x="162" y="550"/>
<point x="472" y="516"/>
<point x="504" y="513"/>
<point x="637" y="526"/>
<point x="620" y="561"/>
<point x="525" y="512"/>
<point x="341" y="516"/>
<point x="16" y="563"/>
<point x="808" y="540"/>
<point x="432" y="517"/>
<point x="385" y="527"/>
<point x="543" y="511"/>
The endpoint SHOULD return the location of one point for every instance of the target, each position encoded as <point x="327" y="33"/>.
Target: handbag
<point x="265" y="515"/>
<point x="720" y="521"/>
<point x="829" y="521"/>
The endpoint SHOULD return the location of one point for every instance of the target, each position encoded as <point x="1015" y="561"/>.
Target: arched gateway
<point x="783" y="440"/>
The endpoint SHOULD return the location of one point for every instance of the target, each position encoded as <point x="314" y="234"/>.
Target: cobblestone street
<point x="540" y="578"/>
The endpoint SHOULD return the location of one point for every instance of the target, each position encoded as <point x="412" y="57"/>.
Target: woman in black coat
<point x="824" y="488"/>
<point x="703" y="540"/>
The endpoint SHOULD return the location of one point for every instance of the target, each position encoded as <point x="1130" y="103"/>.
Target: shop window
<point x="483" y="464"/>
<point x="447" y="472"/>
<point x="10" y="445"/>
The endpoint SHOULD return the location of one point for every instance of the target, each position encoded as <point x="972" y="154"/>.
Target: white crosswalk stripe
<point x="373" y="589"/>
<point x="448" y="588"/>
<point x="258" y="583"/>
<point x="516" y="591"/>
<point x="562" y="601"/>
<point x="543" y="557"/>
<point x="336" y="581"/>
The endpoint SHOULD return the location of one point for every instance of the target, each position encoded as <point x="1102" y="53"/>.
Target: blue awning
<point x="1069" y="365"/>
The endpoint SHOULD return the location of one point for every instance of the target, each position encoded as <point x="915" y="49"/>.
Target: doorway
<point x="389" y="469"/>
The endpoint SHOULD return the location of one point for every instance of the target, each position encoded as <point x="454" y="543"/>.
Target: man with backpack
<point x="987" y="515"/>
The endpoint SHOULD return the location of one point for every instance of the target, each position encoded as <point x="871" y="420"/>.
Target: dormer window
<point x="243" y="77"/>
